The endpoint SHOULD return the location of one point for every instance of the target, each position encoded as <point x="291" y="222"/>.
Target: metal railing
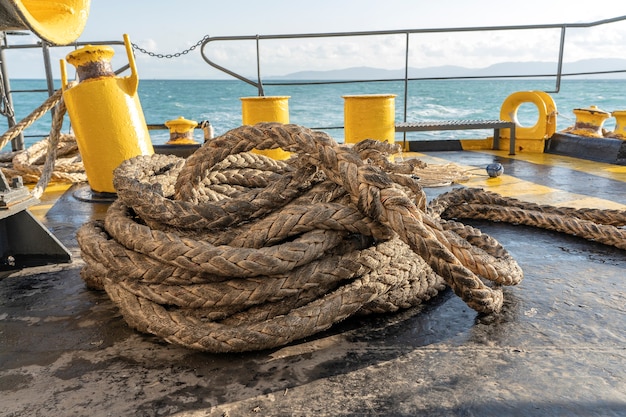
<point x="258" y="83"/>
<point x="6" y="106"/>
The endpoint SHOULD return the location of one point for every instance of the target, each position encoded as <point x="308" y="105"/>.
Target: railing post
<point x="45" y="49"/>
<point x="258" y="67"/>
<point x="17" y="144"/>
<point x="560" y="65"/>
<point x="406" y="89"/>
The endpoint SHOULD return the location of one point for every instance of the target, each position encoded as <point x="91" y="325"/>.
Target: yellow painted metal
<point x="59" y="22"/>
<point x="266" y="109"/>
<point x="511" y="186"/>
<point x="529" y="138"/>
<point x="551" y="113"/>
<point x="589" y="122"/>
<point x="370" y="116"/>
<point x="619" y="131"/>
<point x="477" y="144"/>
<point x="181" y="131"/>
<point x="106" y="116"/>
<point x="53" y="191"/>
<point x="599" y="169"/>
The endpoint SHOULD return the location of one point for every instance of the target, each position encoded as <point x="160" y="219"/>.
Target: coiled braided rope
<point x="232" y="251"/>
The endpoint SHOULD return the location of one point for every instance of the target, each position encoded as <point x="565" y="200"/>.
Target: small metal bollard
<point x="181" y="131"/>
<point x="589" y="122"/>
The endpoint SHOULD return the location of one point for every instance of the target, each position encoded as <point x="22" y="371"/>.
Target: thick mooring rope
<point x="232" y="251"/>
<point x="53" y="158"/>
<point x="19" y="127"/>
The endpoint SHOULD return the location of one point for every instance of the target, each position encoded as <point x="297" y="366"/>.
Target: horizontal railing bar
<point x="412" y="31"/>
<point x="29" y="91"/>
<point x="469" y="77"/>
<point x="71" y="45"/>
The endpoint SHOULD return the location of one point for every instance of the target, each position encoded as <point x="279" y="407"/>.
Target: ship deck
<point x="558" y="348"/>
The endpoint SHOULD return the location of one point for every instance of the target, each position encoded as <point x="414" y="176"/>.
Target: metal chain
<point x="175" y="55"/>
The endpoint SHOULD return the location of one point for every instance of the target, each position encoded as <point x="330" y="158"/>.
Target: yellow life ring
<point x="546" y="122"/>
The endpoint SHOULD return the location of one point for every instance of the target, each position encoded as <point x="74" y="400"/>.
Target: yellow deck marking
<point x="509" y="186"/>
<point x="52" y="193"/>
<point x="609" y="171"/>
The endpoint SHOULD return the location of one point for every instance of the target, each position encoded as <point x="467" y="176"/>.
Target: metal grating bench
<point x="496" y="125"/>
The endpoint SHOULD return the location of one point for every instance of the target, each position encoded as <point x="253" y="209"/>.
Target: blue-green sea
<point x="319" y="106"/>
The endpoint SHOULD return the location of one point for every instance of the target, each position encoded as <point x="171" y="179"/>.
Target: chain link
<point x="175" y="55"/>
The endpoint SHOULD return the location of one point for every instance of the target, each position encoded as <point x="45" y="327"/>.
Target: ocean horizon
<point x="320" y="106"/>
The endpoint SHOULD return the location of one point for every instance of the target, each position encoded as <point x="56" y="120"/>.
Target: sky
<point x="170" y="27"/>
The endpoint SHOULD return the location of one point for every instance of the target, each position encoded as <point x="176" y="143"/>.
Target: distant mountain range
<point x="501" y="69"/>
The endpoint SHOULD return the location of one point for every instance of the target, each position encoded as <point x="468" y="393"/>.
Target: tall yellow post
<point x="266" y="109"/>
<point x="370" y="116"/>
<point x="105" y="113"/>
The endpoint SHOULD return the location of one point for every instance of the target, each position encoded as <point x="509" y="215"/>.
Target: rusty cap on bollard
<point x="181" y="131"/>
<point x="92" y="61"/>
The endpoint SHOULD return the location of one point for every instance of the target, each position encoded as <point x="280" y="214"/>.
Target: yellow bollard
<point x="105" y="113"/>
<point x="181" y="131"/>
<point x="589" y="122"/>
<point x="266" y="109"/>
<point x="620" y="124"/>
<point x="370" y="116"/>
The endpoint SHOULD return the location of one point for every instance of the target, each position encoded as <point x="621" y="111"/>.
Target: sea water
<point x="321" y="106"/>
